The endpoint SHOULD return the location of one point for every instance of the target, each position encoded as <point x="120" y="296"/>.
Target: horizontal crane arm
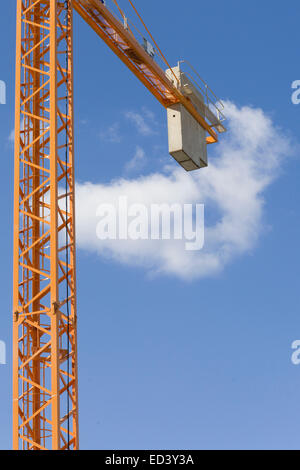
<point x="127" y="48"/>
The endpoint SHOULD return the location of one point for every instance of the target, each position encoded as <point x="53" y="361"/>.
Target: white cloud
<point x="11" y="136"/>
<point x="244" y="164"/>
<point x="140" y="123"/>
<point x="137" y="162"/>
<point x="111" y="134"/>
<point x="149" y="115"/>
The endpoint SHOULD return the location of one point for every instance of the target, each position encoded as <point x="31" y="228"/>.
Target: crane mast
<point x="45" y="389"/>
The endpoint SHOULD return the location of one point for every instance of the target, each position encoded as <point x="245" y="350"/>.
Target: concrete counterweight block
<point x="187" y="139"/>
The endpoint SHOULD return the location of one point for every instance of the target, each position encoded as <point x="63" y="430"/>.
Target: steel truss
<point x="45" y="389"/>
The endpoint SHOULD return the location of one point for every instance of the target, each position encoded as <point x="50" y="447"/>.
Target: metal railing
<point x="212" y="101"/>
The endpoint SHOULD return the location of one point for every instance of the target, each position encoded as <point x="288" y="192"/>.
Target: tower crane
<point x="45" y="368"/>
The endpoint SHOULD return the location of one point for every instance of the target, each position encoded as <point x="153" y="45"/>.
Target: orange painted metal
<point x="45" y="389"/>
<point x="127" y="48"/>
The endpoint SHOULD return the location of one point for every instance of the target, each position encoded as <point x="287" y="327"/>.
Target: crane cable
<point x="157" y="46"/>
<point x="121" y="12"/>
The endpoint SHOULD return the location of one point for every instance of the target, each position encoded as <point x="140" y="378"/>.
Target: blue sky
<point x="167" y="362"/>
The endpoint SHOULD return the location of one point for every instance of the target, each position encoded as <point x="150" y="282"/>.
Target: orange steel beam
<point x="127" y="48"/>
<point x="45" y="389"/>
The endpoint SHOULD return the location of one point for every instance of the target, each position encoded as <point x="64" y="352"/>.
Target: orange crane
<point x="45" y="378"/>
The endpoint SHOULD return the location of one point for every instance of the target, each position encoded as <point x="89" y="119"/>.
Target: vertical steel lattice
<point x="45" y="389"/>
